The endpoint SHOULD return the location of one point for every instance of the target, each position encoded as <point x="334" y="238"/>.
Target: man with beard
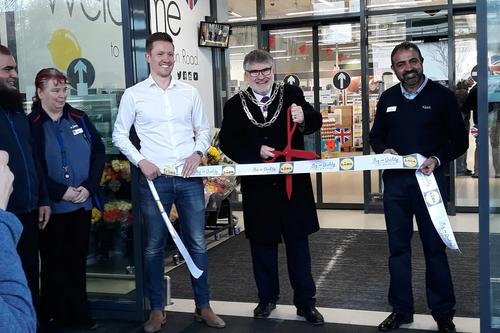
<point x="253" y="127"/>
<point x="30" y="199"/>
<point x="417" y="116"/>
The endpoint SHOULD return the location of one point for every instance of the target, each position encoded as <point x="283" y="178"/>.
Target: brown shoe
<point x="156" y="320"/>
<point x="207" y="315"/>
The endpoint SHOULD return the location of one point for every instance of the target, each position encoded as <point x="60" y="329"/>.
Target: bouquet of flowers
<point x="117" y="212"/>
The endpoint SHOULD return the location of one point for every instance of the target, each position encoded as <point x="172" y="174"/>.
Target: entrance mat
<point x="348" y="266"/>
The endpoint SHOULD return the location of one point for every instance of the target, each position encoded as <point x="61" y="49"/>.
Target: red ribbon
<point x="288" y="152"/>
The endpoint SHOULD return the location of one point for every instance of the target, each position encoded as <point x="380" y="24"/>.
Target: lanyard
<point x="65" y="174"/>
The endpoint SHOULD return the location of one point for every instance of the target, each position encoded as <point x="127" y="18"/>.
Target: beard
<point x="10" y="98"/>
<point x="411" y="81"/>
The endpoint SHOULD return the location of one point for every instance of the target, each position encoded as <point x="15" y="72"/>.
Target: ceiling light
<point x="318" y="11"/>
<point x="240" y="46"/>
<point x="407" y="3"/>
<point x="252" y="18"/>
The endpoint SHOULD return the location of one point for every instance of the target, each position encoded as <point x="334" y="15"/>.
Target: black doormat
<point x="349" y="267"/>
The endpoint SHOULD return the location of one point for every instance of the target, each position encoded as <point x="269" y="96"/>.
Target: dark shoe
<point x="445" y="325"/>
<point x="312" y="315"/>
<point x="263" y="310"/>
<point x="464" y="173"/>
<point x="88" y="324"/>
<point x="52" y="326"/>
<point x="474" y="175"/>
<point x="394" y="321"/>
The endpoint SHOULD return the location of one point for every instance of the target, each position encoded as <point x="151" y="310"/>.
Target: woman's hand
<point x="71" y="194"/>
<point x="82" y="196"/>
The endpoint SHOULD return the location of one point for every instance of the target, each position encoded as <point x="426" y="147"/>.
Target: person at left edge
<point x="30" y="200"/>
<point x="72" y="156"/>
<point x="173" y="129"/>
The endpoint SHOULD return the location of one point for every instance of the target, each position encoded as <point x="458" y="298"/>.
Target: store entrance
<point x="315" y="63"/>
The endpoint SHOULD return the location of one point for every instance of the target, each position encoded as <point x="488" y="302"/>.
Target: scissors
<point x="288" y="152"/>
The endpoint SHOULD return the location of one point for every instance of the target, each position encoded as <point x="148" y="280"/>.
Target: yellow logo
<point x="286" y="167"/>
<point x="228" y="170"/>
<point x="432" y="198"/>
<point x="170" y="171"/>
<point x="410" y="161"/>
<point x="346" y="164"/>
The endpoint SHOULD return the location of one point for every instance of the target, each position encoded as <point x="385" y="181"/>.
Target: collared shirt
<point x="171" y="124"/>
<point x="409" y="96"/>
<point x="260" y="97"/>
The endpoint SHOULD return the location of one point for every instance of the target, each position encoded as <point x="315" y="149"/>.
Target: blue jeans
<point x="187" y="194"/>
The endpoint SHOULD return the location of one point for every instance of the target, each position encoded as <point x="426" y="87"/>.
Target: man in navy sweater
<point x="417" y="116"/>
<point x="17" y="314"/>
<point x="30" y="199"/>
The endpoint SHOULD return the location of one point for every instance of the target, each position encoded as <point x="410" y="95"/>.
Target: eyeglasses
<point x="265" y="72"/>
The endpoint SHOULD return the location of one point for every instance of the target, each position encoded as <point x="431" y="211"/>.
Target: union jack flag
<point x="474" y="131"/>
<point x="191" y="3"/>
<point x="342" y="135"/>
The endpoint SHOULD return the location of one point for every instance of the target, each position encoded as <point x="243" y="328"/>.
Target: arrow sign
<point x="292" y="80"/>
<point x="341" y="80"/>
<point x="80" y="68"/>
<point x="80" y="71"/>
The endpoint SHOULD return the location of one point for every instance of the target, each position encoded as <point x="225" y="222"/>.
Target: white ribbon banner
<point x="193" y="269"/>
<point x="428" y="184"/>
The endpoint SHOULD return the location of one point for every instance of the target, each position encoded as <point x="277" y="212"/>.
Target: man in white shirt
<point x="173" y="130"/>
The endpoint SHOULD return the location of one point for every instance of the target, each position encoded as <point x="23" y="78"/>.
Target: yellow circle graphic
<point x="228" y="171"/>
<point x="432" y="198"/>
<point x="286" y="168"/>
<point x="347" y="164"/>
<point x="410" y="161"/>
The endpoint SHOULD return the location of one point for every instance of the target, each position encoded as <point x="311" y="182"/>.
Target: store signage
<point x="193" y="65"/>
<point x="341" y="80"/>
<point x="292" y="79"/>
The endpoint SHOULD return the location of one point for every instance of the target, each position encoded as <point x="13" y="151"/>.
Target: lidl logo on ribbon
<point x="410" y="161"/>
<point x="432" y="198"/>
<point x="170" y="171"/>
<point x="228" y="170"/>
<point x="191" y="3"/>
<point x="286" y="167"/>
<point x="346" y="164"/>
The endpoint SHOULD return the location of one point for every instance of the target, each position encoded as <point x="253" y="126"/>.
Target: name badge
<point x="77" y="131"/>
<point x="391" y="108"/>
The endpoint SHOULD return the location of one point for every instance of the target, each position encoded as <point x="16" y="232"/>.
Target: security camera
<point x="272" y="2"/>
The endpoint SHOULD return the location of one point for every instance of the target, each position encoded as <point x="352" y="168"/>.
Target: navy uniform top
<point x="430" y="124"/>
<point x="77" y="156"/>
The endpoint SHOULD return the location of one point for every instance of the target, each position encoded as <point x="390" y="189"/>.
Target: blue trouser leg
<point x="402" y="198"/>
<point x="189" y="199"/>
<point x="190" y="203"/>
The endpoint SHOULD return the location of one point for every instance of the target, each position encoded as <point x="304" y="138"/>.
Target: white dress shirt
<point x="171" y="124"/>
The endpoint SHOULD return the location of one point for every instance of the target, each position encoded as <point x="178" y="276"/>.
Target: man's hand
<point x="6" y="180"/>
<point x="149" y="170"/>
<point x="43" y="216"/>
<point x="266" y="152"/>
<point x="71" y="194"/>
<point x="82" y="195"/>
<point x="428" y="166"/>
<point x="192" y="163"/>
<point x="297" y="113"/>
<point x="390" y="151"/>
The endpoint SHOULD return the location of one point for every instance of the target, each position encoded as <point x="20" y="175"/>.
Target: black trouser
<point x="403" y="199"/>
<point x="64" y="245"/>
<point x="27" y="248"/>
<point x="265" y="269"/>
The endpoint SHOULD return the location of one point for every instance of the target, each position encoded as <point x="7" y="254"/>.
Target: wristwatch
<point x="199" y="153"/>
